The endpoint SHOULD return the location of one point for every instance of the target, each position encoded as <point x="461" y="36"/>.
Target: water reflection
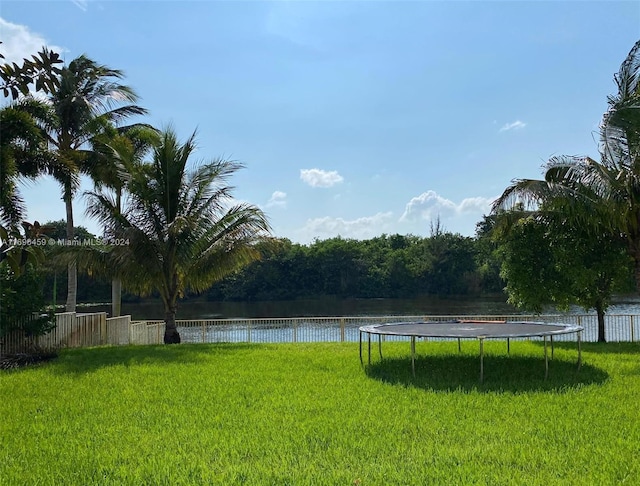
<point x="493" y="305"/>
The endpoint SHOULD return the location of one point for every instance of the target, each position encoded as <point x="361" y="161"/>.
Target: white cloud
<point x="81" y="4"/>
<point x="18" y="42"/>
<point x="361" y="228"/>
<point x="429" y="205"/>
<point x="475" y="204"/>
<point x="516" y="125"/>
<point x="277" y="199"/>
<point x="320" y="178"/>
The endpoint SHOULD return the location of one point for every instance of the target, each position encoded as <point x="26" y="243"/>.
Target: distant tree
<point x="393" y="266"/>
<point x="487" y="257"/>
<point x="340" y="266"/>
<point x="442" y="264"/>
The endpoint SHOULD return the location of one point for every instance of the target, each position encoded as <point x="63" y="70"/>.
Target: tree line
<point x="388" y="266"/>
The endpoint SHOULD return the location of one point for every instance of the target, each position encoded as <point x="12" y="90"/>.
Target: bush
<point x="22" y="314"/>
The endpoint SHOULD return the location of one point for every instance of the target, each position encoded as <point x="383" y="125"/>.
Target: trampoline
<point x="463" y="329"/>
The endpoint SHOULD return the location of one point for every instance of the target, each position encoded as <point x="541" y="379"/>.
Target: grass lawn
<point x="309" y="414"/>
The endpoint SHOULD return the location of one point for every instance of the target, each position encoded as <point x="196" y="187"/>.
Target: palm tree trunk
<point x="72" y="271"/>
<point x="636" y="260"/>
<point x="600" y="313"/>
<point x="116" y="283"/>
<point x="171" y="335"/>
<point x="116" y="294"/>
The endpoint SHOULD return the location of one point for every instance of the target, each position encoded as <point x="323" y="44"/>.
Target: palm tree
<point x="116" y="156"/>
<point x="23" y="154"/>
<point x="178" y="229"/>
<point x="602" y="195"/>
<point x="86" y="101"/>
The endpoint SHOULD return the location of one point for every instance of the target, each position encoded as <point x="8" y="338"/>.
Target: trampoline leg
<point x="579" y="351"/>
<point x="360" y="336"/>
<point x="481" y="360"/>
<point x="369" y="342"/>
<point x="546" y="360"/>
<point x="380" y="345"/>
<point x="458" y="345"/>
<point x="508" y="346"/>
<point x="551" y="337"/>
<point x="413" y="356"/>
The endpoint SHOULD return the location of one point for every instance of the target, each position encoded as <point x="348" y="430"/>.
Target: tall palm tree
<point x="87" y="100"/>
<point x="601" y="194"/>
<point x="179" y="228"/>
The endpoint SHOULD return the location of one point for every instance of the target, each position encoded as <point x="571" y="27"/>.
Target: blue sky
<point x="353" y="118"/>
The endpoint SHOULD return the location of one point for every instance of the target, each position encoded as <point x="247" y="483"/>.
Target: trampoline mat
<point x="470" y="329"/>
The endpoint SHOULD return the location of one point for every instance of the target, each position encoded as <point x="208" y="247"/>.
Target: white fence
<point x="327" y="329"/>
<point x="84" y="330"/>
<point x="73" y="331"/>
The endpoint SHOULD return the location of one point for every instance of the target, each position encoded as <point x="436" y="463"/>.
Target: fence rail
<point x="84" y="330"/>
<point x="328" y="329"/>
<point x="73" y="331"/>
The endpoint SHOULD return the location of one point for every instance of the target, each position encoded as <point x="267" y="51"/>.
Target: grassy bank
<point x="309" y="414"/>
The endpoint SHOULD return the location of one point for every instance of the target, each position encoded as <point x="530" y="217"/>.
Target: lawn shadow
<point x="87" y="360"/>
<point x="602" y="348"/>
<point x="501" y="373"/>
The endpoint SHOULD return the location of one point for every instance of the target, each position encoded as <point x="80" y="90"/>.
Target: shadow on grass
<point x="589" y="347"/>
<point x="87" y="360"/>
<point x="501" y="373"/>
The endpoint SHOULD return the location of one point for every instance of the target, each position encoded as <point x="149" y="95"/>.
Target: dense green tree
<point x="178" y="230"/>
<point x="549" y="262"/>
<point x="533" y="279"/>
<point x="392" y="266"/>
<point x="488" y="260"/>
<point x="340" y="266"/>
<point x="22" y="305"/>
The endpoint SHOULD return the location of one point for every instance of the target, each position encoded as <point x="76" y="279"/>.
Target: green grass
<point x="310" y="414"/>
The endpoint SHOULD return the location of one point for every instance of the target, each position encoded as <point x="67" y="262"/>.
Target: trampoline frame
<point x="380" y="330"/>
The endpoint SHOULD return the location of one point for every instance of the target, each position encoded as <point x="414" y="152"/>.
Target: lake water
<point x="486" y="305"/>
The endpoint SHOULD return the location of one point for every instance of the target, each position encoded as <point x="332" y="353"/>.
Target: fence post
<point x="204" y="330"/>
<point x="103" y="329"/>
<point x="295" y="330"/>
<point x="342" y="329"/>
<point x="249" y="331"/>
<point x="632" y="330"/>
<point x="580" y="323"/>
